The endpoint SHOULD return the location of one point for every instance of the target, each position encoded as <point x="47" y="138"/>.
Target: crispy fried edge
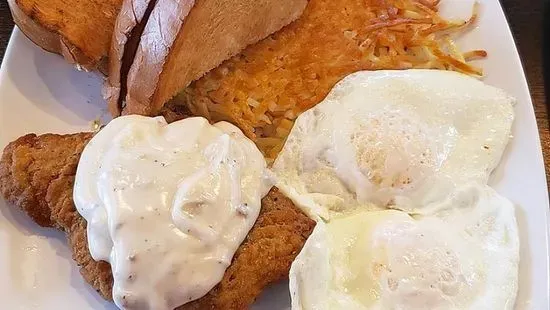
<point x="37" y="175"/>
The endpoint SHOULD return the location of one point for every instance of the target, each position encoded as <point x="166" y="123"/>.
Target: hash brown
<point x="264" y="89"/>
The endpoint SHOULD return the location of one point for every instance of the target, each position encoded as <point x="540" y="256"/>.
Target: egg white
<point x="404" y="138"/>
<point x="463" y="256"/>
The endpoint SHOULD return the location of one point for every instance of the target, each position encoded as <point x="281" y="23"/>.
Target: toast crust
<point x="60" y="27"/>
<point x="127" y="33"/>
<point x="156" y="39"/>
<point x="37" y="174"/>
<point x="176" y="49"/>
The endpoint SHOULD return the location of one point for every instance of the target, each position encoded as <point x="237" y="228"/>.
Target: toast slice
<point x="181" y="41"/>
<point x="79" y="30"/>
<point x="37" y="175"/>
<point x="129" y="27"/>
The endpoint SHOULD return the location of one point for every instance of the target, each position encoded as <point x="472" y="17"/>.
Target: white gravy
<point x="168" y="205"/>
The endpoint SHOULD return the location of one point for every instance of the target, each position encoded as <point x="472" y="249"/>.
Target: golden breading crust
<point x="37" y="174"/>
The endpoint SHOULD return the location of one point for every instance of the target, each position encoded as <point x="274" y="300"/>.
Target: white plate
<point x="40" y="93"/>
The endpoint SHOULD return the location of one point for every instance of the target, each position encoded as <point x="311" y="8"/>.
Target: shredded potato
<point x="264" y="89"/>
<point x="96" y="125"/>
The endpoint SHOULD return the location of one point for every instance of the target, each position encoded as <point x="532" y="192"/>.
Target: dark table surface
<point x="525" y="17"/>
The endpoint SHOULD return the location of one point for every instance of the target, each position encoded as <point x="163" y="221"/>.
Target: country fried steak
<point x="37" y="175"/>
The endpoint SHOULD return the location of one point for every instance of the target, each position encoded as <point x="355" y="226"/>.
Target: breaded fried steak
<point x="37" y="175"/>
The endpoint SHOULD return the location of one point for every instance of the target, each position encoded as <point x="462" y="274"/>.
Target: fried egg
<point x="384" y="138"/>
<point x="464" y="255"/>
